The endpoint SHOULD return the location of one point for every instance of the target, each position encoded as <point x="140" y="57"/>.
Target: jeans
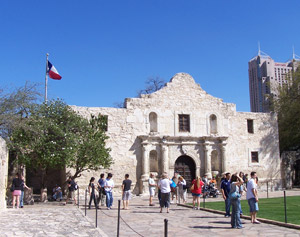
<point x="240" y="206"/>
<point x="57" y="195"/>
<point x="235" y="215"/>
<point x="93" y="197"/>
<point x="21" y="199"/>
<point x="109" y="199"/>
<point x="227" y="206"/>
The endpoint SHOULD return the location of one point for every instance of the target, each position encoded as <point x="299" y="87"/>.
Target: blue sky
<point x="106" y="50"/>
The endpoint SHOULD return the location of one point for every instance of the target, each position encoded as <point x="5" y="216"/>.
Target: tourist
<point x="101" y="191"/>
<point x="126" y="193"/>
<point x="71" y="187"/>
<point x="57" y="193"/>
<point x="23" y="185"/>
<point x="164" y="185"/>
<point x="16" y="190"/>
<point x="152" y="187"/>
<point x="182" y="189"/>
<point x="173" y="186"/>
<point x="108" y="186"/>
<point x="205" y="180"/>
<point x="92" y="193"/>
<point x="213" y="181"/>
<point x="234" y="196"/>
<point x="252" y="197"/>
<point x="225" y="188"/>
<point x="196" y="190"/>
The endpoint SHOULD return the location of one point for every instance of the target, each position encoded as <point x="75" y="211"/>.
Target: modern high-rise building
<point x="265" y="76"/>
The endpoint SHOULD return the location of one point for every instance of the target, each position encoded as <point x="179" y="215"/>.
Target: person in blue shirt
<point x="101" y="190"/>
<point x="225" y="188"/>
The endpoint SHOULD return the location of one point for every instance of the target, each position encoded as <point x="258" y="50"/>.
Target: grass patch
<point x="269" y="208"/>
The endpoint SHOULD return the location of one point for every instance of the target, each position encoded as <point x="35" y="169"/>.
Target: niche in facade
<point x="215" y="161"/>
<point x="153" y="161"/>
<point x="213" y="124"/>
<point x="153" y="122"/>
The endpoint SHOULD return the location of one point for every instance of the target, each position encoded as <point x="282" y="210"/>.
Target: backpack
<point x="75" y="186"/>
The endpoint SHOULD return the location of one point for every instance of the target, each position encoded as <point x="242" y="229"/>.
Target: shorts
<point x="16" y="193"/>
<point x="152" y="192"/>
<point x="196" y="194"/>
<point x="126" y="195"/>
<point x="71" y="194"/>
<point x="253" y="204"/>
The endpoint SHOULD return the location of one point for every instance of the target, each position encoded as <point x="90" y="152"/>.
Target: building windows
<point x="250" y="126"/>
<point x="153" y="122"/>
<point x="213" y="124"/>
<point x="254" y="157"/>
<point x="184" y="122"/>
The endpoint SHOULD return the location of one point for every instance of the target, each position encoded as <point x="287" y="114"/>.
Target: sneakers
<point x="151" y="205"/>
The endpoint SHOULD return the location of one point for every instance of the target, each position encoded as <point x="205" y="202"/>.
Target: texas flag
<point x="52" y="72"/>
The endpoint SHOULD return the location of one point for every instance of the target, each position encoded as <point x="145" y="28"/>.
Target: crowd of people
<point x="232" y="187"/>
<point x="101" y="192"/>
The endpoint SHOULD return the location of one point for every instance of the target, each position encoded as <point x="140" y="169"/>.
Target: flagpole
<point x="46" y="78"/>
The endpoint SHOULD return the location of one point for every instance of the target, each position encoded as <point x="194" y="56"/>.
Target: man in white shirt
<point x="152" y="187"/>
<point x="252" y="197"/>
<point x="108" y="186"/>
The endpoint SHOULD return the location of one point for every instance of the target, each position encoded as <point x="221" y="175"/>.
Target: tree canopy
<point x="287" y="105"/>
<point x="55" y="136"/>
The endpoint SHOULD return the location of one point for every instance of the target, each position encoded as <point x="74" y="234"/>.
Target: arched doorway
<point x="185" y="166"/>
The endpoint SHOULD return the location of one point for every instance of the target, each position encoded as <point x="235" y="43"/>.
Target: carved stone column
<point x="144" y="185"/>
<point x="145" y="163"/>
<point x="224" y="161"/>
<point x="165" y="159"/>
<point x="207" y="152"/>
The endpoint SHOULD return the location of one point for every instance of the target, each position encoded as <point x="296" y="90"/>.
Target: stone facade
<point x="3" y="172"/>
<point x="182" y="128"/>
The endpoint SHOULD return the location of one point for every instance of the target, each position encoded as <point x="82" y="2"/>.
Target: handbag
<point x="12" y="188"/>
<point x="235" y="195"/>
<point x="193" y="187"/>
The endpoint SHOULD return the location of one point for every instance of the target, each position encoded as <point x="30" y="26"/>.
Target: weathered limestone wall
<point x="131" y="140"/>
<point x="3" y="172"/>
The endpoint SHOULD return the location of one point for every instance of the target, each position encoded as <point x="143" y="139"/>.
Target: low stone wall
<point x="3" y="172"/>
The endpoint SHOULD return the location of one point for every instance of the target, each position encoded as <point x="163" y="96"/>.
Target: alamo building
<point x="182" y="128"/>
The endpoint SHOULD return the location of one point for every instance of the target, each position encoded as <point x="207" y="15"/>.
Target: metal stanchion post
<point x="267" y="189"/>
<point x="285" y="206"/>
<point x="118" y="228"/>
<point x="203" y="201"/>
<point x="96" y="216"/>
<point x="85" y="201"/>
<point x="166" y="227"/>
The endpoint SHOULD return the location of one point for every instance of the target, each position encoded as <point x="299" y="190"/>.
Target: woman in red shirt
<point x="196" y="191"/>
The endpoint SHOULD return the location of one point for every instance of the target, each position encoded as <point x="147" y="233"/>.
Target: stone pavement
<point x="182" y="221"/>
<point x="46" y="220"/>
<point x="51" y="219"/>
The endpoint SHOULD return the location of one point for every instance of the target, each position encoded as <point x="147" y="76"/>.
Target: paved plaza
<point x="141" y="220"/>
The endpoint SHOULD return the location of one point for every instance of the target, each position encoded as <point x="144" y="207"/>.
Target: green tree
<point x="55" y="136"/>
<point x="15" y="105"/>
<point x="287" y="106"/>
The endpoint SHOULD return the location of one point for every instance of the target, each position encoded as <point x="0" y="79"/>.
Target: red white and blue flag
<point x="52" y="72"/>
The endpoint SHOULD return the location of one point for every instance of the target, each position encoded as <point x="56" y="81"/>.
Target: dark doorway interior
<point x="185" y="166"/>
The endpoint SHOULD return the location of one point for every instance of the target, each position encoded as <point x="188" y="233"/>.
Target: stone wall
<point x="133" y="136"/>
<point x="3" y="173"/>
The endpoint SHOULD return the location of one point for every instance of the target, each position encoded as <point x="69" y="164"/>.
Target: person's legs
<point x="90" y="202"/>
<point x="95" y="201"/>
<point x="240" y="207"/>
<point x="198" y="203"/>
<point x="194" y="200"/>
<point x="60" y="196"/>
<point x="18" y="202"/>
<point x="21" y="199"/>
<point x="227" y="206"/>
<point x="13" y="201"/>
